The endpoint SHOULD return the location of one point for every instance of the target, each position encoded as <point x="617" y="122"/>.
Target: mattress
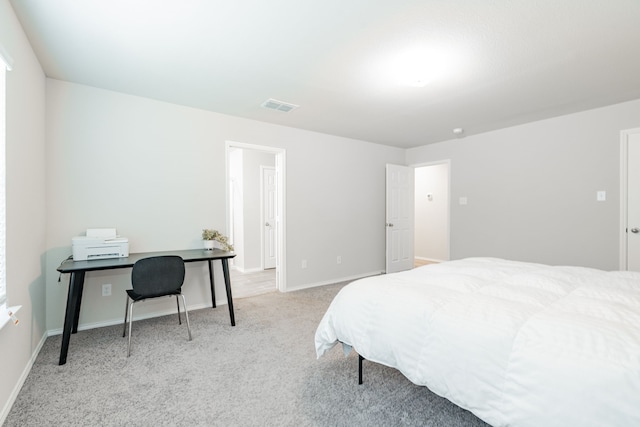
<point x="517" y="344"/>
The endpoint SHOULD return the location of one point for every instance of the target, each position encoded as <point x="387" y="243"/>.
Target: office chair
<point x="155" y="277"/>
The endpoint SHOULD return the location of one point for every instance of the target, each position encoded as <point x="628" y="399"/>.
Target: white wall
<point x="156" y="171"/>
<point x="531" y="189"/>
<point x="432" y="215"/>
<point x="26" y="208"/>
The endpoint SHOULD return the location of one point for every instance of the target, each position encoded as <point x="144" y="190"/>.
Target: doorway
<point x="431" y="232"/>
<point x="417" y="215"/>
<point x="254" y="203"/>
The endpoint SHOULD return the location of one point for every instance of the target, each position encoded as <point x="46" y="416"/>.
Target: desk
<point x="77" y="270"/>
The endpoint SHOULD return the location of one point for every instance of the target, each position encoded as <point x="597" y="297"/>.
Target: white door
<point x="633" y="202"/>
<point x="400" y="218"/>
<point x="269" y="217"/>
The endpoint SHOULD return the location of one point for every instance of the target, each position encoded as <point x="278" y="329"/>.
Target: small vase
<point x="208" y="244"/>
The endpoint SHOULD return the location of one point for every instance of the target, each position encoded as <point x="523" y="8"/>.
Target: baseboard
<point x="118" y="321"/>
<point x="334" y="281"/>
<point x="25" y="373"/>
<point x="248" y="270"/>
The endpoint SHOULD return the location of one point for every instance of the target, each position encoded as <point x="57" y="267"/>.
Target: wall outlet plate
<point x="106" y="290"/>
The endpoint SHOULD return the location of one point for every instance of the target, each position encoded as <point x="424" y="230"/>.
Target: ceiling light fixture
<point x="418" y="83"/>
<point x="418" y="66"/>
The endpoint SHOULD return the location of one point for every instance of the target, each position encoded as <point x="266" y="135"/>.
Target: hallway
<point x="251" y="284"/>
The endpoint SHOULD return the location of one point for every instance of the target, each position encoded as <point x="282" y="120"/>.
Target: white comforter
<point x="517" y="344"/>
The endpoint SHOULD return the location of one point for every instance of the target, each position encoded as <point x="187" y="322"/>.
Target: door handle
<point x="266" y="224"/>
<point x="635" y="230"/>
<point x="391" y="225"/>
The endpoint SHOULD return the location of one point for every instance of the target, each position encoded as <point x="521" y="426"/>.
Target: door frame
<point x="280" y="156"/>
<point x="448" y="216"/>
<point x="624" y="169"/>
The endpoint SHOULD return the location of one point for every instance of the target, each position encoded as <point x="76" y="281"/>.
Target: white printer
<point x="99" y="243"/>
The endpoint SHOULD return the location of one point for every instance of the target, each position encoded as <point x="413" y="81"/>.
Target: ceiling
<point x="403" y="73"/>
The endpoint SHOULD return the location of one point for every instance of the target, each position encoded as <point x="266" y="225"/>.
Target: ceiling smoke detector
<point x="274" y="104"/>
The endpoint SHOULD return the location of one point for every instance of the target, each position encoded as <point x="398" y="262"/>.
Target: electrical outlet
<point x="106" y="290"/>
<point x="339" y="259"/>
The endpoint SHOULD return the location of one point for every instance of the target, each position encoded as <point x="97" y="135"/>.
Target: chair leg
<point x="178" y="304"/>
<point x="130" y="321"/>
<point x="186" y="315"/>
<point x="126" y="311"/>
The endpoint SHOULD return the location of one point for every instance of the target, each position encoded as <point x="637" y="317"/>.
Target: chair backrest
<point x="157" y="276"/>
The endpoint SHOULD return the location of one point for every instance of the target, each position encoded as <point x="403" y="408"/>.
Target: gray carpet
<point x="262" y="372"/>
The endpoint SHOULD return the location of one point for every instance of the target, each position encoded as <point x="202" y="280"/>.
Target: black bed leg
<point x="360" y="359"/>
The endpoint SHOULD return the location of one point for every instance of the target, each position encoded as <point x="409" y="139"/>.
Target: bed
<point x="517" y="344"/>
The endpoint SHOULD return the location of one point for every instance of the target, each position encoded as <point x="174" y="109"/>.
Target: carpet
<point x="262" y="372"/>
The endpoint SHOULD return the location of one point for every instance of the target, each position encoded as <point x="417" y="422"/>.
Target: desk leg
<point x="76" y="282"/>
<point x="227" y="284"/>
<point x="79" y="291"/>
<point x="213" y="292"/>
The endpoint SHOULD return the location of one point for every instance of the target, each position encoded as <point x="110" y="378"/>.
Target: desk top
<point x="188" y="255"/>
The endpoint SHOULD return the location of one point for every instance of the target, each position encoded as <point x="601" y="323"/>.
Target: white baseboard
<point x="25" y="373"/>
<point x="248" y="270"/>
<point x="333" y="281"/>
<point x="120" y="320"/>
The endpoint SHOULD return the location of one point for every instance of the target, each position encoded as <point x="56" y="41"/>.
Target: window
<point x="5" y="64"/>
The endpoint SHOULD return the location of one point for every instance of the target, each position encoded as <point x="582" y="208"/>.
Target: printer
<point x="99" y="243"/>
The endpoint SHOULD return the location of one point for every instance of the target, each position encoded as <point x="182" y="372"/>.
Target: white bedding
<point x="517" y="344"/>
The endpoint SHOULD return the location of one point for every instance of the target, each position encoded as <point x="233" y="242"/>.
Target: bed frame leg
<point x="360" y="359"/>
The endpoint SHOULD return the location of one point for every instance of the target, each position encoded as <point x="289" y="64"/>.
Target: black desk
<point x="77" y="270"/>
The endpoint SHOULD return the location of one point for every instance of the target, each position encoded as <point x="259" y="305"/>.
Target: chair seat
<point x="138" y="297"/>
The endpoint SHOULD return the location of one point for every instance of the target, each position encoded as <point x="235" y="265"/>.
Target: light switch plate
<point x="601" y="196"/>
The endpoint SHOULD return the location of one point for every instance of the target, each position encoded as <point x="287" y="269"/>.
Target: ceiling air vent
<point x="274" y="104"/>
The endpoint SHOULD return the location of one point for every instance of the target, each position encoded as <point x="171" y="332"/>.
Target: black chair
<point x="155" y="277"/>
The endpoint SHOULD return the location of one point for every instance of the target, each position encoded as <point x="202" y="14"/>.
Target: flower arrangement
<point x="209" y="234"/>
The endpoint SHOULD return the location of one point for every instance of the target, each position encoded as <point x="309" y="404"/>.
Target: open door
<point x="631" y="195"/>
<point x="269" y="201"/>
<point x="400" y="218"/>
